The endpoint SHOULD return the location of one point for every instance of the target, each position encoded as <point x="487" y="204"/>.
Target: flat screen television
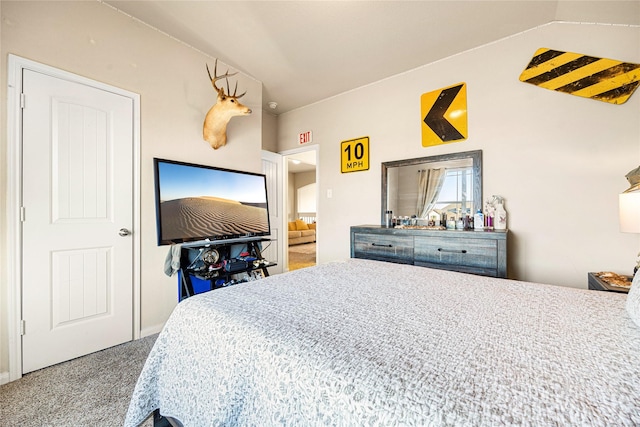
<point x="198" y="202"/>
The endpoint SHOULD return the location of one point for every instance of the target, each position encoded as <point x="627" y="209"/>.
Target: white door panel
<point x="272" y="168"/>
<point x="77" y="195"/>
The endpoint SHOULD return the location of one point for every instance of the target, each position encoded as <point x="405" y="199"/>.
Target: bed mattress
<point x="364" y="342"/>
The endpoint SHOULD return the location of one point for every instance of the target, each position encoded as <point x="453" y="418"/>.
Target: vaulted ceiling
<point x="306" y="51"/>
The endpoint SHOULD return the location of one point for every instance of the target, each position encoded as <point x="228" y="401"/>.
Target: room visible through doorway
<point x="301" y="209"/>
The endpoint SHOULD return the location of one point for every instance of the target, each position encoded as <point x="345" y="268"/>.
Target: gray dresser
<point x="476" y="252"/>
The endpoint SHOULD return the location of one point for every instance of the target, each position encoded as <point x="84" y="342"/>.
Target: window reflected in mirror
<point x="455" y="194"/>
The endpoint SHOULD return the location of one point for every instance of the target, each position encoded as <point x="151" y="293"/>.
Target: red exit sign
<point x="304" y="137"/>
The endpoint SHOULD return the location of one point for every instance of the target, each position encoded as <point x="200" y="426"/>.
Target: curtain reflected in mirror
<point x="429" y="185"/>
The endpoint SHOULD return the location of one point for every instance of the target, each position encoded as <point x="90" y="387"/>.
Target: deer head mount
<point x="215" y="123"/>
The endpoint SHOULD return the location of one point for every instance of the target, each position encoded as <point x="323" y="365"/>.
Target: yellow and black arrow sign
<point x="606" y="80"/>
<point x="444" y="115"/>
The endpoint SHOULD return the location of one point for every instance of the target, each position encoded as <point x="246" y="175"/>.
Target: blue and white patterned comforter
<point x="363" y="342"/>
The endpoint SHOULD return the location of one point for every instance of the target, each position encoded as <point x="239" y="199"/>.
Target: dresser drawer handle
<point x="462" y="251"/>
<point x="384" y="246"/>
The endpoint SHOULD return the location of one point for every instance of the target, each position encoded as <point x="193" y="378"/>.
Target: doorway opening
<point x="301" y="208"/>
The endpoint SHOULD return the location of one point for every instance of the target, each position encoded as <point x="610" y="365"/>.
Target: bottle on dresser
<point x="488" y="216"/>
<point x="459" y="220"/>
<point x="500" y="215"/>
<point x="478" y="220"/>
<point x="388" y="216"/>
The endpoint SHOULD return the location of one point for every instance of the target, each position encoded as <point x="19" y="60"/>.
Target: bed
<point x="363" y="342"/>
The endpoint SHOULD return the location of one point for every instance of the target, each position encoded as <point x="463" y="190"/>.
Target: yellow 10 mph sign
<point x="355" y="155"/>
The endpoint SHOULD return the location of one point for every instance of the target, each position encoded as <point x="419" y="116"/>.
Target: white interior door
<point x="272" y="167"/>
<point x="77" y="260"/>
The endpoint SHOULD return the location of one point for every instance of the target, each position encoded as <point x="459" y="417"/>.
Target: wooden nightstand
<point x="597" y="284"/>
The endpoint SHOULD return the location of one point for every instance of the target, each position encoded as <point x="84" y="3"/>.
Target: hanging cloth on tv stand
<point x="172" y="261"/>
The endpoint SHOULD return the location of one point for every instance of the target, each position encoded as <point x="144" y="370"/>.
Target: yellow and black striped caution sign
<point x="582" y="75"/>
<point x="444" y="115"/>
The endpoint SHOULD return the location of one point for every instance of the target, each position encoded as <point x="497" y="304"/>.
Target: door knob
<point x="124" y="232"/>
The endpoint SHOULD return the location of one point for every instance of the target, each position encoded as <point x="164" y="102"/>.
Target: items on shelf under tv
<point x="198" y="203"/>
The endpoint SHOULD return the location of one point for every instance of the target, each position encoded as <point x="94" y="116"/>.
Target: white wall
<point x="559" y="160"/>
<point x="95" y="41"/>
<point x="295" y="182"/>
<point x="306" y="199"/>
<point x="269" y="132"/>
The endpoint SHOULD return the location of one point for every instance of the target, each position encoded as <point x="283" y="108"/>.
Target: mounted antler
<point x="215" y="123"/>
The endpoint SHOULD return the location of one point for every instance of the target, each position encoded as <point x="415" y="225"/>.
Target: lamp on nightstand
<point x="629" y="202"/>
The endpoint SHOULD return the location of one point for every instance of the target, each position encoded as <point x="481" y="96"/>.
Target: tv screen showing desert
<point x="198" y="203"/>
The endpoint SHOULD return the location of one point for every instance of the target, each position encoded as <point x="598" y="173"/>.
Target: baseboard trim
<point x="151" y="330"/>
<point x="4" y="378"/>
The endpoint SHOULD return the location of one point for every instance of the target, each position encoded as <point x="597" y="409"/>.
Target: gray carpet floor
<point x="93" y="390"/>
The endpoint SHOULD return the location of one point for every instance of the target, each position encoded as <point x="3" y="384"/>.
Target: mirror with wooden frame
<point x="424" y="187"/>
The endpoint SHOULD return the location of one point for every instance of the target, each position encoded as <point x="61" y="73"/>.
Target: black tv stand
<point x="220" y="263"/>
